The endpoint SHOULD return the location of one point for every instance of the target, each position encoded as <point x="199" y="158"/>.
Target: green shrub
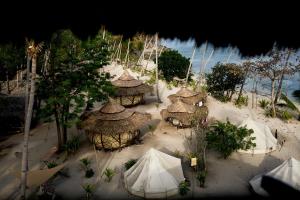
<point x="285" y="115"/>
<point x="242" y="101"/>
<point x="183" y="188"/>
<point x="130" y="163"/>
<point x="72" y="145"/>
<point x="263" y="103"/>
<point x="190" y="155"/>
<point x="85" y="162"/>
<point x="268" y="112"/>
<point x="201" y="175"/>
<point x="227" y="138"/>
<point x="89" y="189"/>
<point x="89" y="173"/>
<point x="177" y="154"/>
<point x="109" y="173"/>
<point x="51" y="164"/>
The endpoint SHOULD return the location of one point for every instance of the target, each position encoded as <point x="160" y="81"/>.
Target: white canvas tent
<point x="264" y="139"/>
<point x="155" y="175"/>
<point x="288" y="172"/>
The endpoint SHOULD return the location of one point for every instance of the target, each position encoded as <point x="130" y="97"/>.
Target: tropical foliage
<point x="227" y="138"/>
<point x="71" y="80"/>
<point x="223" y="80"/>
<point x="173" y="64"/>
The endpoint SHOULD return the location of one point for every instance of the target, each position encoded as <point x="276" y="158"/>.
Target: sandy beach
<point x="225" y="177"/>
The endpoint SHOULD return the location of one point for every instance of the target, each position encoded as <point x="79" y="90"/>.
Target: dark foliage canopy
<point x="172" y="64"/>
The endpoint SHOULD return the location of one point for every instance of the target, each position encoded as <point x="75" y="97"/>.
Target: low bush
<point x="183" y="188"/>
<point x="285" y="115"/>
<point x="242" y="101"/>
<point x="72" y="145"/>
<point x="263" y="103"/>
<point x="201" y="175"/>
<point x="89" y="173"/>
<point x="89" y="189"/>
<point x="130" y="163"/>
<point x="227" y="138"/>
<point x="109" y="173"/>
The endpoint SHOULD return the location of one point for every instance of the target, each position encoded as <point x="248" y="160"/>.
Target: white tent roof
<point x="264" y="139"/>
<point x="155" y="175"/>
<point x="288" y="172"/>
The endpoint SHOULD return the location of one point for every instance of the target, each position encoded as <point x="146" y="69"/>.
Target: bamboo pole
<point x="229" y="56"/>
<point x="127" y="53"/>
<point x="143" y="52"/>
<point x="202" y="63"/>
<point x="191" y="61"/>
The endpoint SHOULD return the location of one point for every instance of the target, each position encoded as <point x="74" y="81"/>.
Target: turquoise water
<point x="228" y="54"/>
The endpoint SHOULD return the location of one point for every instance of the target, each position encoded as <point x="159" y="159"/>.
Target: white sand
<point x="225" y="177"/>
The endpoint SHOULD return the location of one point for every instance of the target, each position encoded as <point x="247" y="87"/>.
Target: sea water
<point x="230" y="55"/>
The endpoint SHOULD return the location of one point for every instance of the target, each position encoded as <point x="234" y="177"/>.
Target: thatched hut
<point x="189" y="97"/>
<point x="130" y="91"/>
<point x="181" y="114"/>
<point x="113" y="126"/>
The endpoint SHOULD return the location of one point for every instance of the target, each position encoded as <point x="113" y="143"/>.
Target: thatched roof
<point x="113" y="118"/>
<point x="184" y="118"/>
<point x="129" y="86"/>
<point x="126" y="80"/>
<point x="180" y="107"/>
<point x="185" y="113"/>
<point x="188" y="96"/>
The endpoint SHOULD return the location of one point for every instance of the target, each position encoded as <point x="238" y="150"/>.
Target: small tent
<point x="155" y="175"/>
<point x="264" y="139"/>
<point x="288" y="173"/>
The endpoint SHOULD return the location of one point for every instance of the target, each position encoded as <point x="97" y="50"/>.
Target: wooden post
<point x="191" y="61"/>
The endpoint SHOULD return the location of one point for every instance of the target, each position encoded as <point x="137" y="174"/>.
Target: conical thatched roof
<point x="184" y="112"/>
<point x="180" y="107"/>
<point x="188" y="96"/>
<point x="184" y="92"/>
<point x="113" y="118"/>
<point x="126" y="80"/>
<point x="127" y="85"/>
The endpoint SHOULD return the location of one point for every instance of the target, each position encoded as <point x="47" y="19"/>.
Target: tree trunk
<point x="27" y="83"/>
<point x="278" y="93"/>
<point x="59" y="139"/>
<point x="272" y="98"/>
<point x="7" y="83"/>
<point x="27" y="129"/>
<point x="65" y="128"/>
<point x="242" y="86"/>
<point x="279" y="90"/>
<point x="232" y="92"/>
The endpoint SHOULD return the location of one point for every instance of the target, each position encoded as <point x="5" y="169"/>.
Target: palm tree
<point x="32" y="50"/>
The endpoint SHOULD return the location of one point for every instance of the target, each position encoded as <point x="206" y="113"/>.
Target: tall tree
<point x="33" y="50"/>
<point x="247" y="68"/>
<point x="269" y="68"/>
<point x="73" y="80"/>
<point x="223" y="80"/>
<point x="288" y="67"/>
